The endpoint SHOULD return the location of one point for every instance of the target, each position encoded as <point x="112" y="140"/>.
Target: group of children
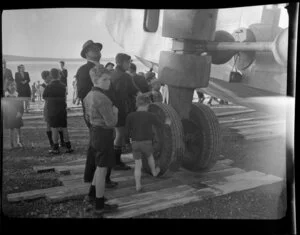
<point x="55" y="112"/>
<point x="103" y="117"/>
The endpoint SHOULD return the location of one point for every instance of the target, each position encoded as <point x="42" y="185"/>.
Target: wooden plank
<point x="130" y="207"/>
<point x="234" y="113"/>
<point x="80" y="190"/>
<point x="243" y="120"/>
<point x="244" y="181"/>
<point x="33" y="194"/>
<point x="272" y="123"/>
<point x="258" y="137"/>
<point x="145" y="202"/>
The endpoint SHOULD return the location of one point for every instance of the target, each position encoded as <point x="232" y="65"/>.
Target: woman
<point x="22" y="79"/>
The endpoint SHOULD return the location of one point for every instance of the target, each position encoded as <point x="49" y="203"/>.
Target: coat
<point x="124" y="93"/>
<point x="55" y="94"/>
<point x="23" y="89"/>
<point x="84" y="81"/>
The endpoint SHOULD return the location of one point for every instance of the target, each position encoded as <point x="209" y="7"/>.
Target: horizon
<point x="40" y="57"/>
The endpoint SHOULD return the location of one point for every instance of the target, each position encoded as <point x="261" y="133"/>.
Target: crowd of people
<point x="114" y="99"/>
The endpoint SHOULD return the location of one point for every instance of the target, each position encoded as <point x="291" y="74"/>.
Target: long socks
<point x="118" y="152"/>
<point x="107" y="177"/>
<point x="49" y="134"/>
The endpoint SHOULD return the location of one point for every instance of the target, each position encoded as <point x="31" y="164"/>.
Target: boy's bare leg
<point x="99" y="177"/>
<point x="94" y="179"/>
<point x="137" y="174"/>
<point x="12" y="137"/>
<point x="54" y="135"/>
<point x="151" y="163"/>
<point x="66" y="134"/>
<point x="19" y="138"/>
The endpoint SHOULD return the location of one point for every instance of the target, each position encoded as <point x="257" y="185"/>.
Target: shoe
<point x="91" y="199"/>
<point x="111" y="184"/>
<point x="55" y="149"/>
<point x="122" y="167"/>
<point x="69" y="150"/>
<point x="106" y="209"/>
<point x="62" y="144"/>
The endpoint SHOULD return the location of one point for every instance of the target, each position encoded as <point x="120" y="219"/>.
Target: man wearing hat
<point x="91" y="51"/>
<point x="124" y="94"/>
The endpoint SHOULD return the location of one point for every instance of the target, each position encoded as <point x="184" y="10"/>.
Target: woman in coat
<point x="23" y="88"/>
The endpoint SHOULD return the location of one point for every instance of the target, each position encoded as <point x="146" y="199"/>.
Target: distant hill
<point x="26" y="58"/>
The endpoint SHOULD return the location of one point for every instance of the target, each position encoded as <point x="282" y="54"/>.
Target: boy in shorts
<point x="55" y="96"/>
<point x="139" y="129"/>
<point x="102" y="116"/>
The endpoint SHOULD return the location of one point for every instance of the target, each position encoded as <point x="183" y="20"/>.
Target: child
<point x="155" y="94"/>
<point x="13" y="112"/>
<point x="33" y="92"/>
<point x="55" y="96"/>
<point x="139" y="129"/>
<point x="102" y="116"/>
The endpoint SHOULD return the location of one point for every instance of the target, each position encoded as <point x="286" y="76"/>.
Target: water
<point x="35" y="68"/>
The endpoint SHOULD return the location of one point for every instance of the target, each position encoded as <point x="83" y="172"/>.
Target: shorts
<point x="141" y="148"/>
<point x="58" y="120"/>
<point x="102" y="142"/>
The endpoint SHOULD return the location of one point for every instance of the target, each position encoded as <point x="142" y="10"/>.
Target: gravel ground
<point x="265" y="202"/>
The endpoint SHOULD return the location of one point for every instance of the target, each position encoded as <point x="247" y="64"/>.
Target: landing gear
<point x="192" y="143"/>
<point x="201" y="137"/>
<point x="168" y="142"/>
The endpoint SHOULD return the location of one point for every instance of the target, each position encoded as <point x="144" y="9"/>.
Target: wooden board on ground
<point x="224" y="114"/>
<point x="133" y="205"/>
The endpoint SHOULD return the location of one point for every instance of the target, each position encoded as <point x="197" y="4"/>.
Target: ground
<point x="265" y="202"/>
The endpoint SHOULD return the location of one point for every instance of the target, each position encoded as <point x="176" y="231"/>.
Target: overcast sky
<point x="55" y="32"/>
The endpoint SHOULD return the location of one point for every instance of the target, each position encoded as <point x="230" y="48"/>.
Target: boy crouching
<point x="139" y="130"/>
<point x="102" y="116"/>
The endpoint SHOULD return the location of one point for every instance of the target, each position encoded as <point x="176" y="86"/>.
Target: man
<point x="7" y="75"/>
<point x="64" y="74"/>
<point x="138" y="80"/>
<point x="124" y="94"/>
<point x="91" y="51"/>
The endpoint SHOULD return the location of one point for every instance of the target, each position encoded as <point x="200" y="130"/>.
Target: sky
<point x="56" y="33"/>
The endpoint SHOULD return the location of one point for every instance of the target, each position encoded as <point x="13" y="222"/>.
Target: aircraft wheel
<point x="201" y="137"/>
<point x="167" y="143"/>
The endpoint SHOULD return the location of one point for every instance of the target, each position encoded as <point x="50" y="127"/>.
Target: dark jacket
<point x="84" y="82"/>
<point x="55" y="96"/>
<point x="64" y="77"/>
<point x="124" y="93"/>
<point x="23" y="89"/>
<point x="141" y="83"/>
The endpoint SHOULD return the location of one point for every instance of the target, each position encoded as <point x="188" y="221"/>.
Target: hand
<point x="19" y="115"/>
<point x="115" y="110"/>
<point x="168" y="121"/>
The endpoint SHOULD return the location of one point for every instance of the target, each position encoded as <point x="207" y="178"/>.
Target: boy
<point x="102" y="116"/>
<point x="155" y="94"/>
<point x="139" y="129"/>
<point x="55" y="96"/>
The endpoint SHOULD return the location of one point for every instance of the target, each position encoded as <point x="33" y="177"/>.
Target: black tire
<point x="202" y="138"/>
<point x="168" y="143"/>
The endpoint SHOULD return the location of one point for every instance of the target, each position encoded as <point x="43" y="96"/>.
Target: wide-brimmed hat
<point x="87" y="45"/>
